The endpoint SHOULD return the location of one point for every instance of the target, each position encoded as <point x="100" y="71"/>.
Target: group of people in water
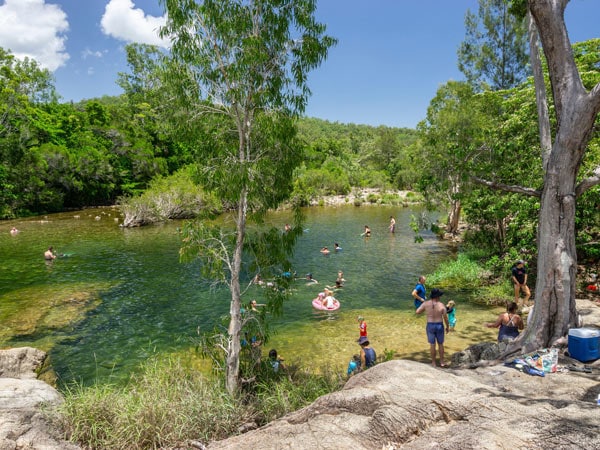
<point x="441" y="318"/>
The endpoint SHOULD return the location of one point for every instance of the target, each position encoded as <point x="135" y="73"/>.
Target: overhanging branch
<point x="589" y="182"/>
<point x="507" y="187"/>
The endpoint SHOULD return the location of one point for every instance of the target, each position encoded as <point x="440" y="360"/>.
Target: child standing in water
<point x="362" y="326"/>
<point x="451" y="311"/>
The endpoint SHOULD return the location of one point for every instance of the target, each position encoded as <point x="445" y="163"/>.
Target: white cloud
<point x="122" y="20"/>
<point x="34" y="29"/>
<point x="87" y="53"/>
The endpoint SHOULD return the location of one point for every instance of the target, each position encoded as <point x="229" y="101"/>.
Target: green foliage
<point x="494" y="51"/>
<point x="166" y="404"/>
<point x="416" y="225"/>
<point x="170" y="403"/>
<point x="277" y="394"/>
<point x="173" y="197"/>
<point x="462" y="273"/>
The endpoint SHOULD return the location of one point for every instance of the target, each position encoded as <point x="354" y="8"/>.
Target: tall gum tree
<point x="576" y="111"/>
<point x="249" y="61"/>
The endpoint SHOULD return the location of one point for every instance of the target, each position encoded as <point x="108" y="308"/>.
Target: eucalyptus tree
<point x="494" y="52"/>
<point x="576" y="100"/>
<point x="246" y="61"/>
<point x="576" y="108"/>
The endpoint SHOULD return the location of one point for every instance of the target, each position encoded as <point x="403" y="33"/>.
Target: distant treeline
<point x="56" y="155"/>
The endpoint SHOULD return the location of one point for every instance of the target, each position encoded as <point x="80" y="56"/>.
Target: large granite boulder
<point x="22" y="395"/>
<point x="406" y="404"/>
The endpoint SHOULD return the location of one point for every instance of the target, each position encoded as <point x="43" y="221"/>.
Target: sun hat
<point x="363" y="340"/>
<point x="360" y="318"/>
<point x="436" y="293"/>
<point x="520" y="261"/>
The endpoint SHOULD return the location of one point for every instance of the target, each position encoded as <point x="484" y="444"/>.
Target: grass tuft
<point x="168" y="404"/>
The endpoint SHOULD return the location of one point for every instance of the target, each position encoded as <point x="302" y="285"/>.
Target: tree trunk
<point x="576" y="109"/>
<point x="235" y="324"/>
<point x="455" y="205"/>
<point x="501" y="233"/>
<point x="555" y="309"/>
<point x="454" y="216"/>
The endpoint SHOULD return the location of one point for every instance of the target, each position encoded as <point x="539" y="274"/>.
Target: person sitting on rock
<point x="368" y="356"/>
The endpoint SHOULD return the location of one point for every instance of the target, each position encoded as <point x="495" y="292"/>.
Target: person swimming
<point x="310" y="279"/>
<point x="325" y="251"/>
<point x="49" y="255"/>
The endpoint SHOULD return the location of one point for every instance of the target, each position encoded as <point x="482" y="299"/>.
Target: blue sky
<point x="391" y="58"/>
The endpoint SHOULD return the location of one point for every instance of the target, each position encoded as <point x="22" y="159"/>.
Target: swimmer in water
<point x="49" y="255"/>
<point x="310" y="279"/>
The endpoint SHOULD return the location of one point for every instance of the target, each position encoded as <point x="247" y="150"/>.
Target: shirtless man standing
<point x="436" y="318"/>
<point x="49" y="254"/>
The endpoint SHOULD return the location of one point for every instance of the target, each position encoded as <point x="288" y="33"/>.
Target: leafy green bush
<point x="462" y="273"/>
<point x="390" y="199"/>
<point x="372" y="198"/>
<point x="172" y="197"/>
<point x="494" y="294"/>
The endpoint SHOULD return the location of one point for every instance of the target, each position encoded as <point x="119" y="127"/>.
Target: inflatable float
<point x="318" y="305"/>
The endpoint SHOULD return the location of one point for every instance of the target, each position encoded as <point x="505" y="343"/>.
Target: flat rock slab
<point x="406" y="404"/>
<point x="22" y="396"/>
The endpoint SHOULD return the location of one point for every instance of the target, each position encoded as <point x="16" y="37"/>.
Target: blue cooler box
<point x="584" y="344"/>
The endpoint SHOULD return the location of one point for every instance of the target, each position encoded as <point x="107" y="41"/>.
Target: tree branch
<point x="507" y="187"/>
<point x="589" y="182"/>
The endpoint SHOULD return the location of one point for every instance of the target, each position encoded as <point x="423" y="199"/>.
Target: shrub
<point x="372" y="198"/>
<point x="172" y="197"/>
<point x="462" y="273"/>
<point x="170" y="403"/>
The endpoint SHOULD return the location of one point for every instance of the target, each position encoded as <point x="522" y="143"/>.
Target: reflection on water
<point x="120" y="295"/>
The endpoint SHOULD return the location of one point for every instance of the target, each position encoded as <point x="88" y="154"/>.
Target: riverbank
<point x="396" y="404"/>
<point x="369" y="196"/>
<point x="410" y="405"/>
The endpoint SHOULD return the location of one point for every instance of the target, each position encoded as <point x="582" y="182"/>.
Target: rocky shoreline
<point x="397" y="404"/>
<point x="362" y="197"/>
<point x="25" y="403"/>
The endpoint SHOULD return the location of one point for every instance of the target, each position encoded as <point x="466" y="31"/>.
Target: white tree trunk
<point x="235" y="324"/>
<point x="454" y="216"/>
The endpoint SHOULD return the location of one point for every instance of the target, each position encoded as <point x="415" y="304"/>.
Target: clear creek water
<point x="120" y="295"/>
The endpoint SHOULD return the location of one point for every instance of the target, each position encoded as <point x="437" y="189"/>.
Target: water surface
<point x="120" y="295"/>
